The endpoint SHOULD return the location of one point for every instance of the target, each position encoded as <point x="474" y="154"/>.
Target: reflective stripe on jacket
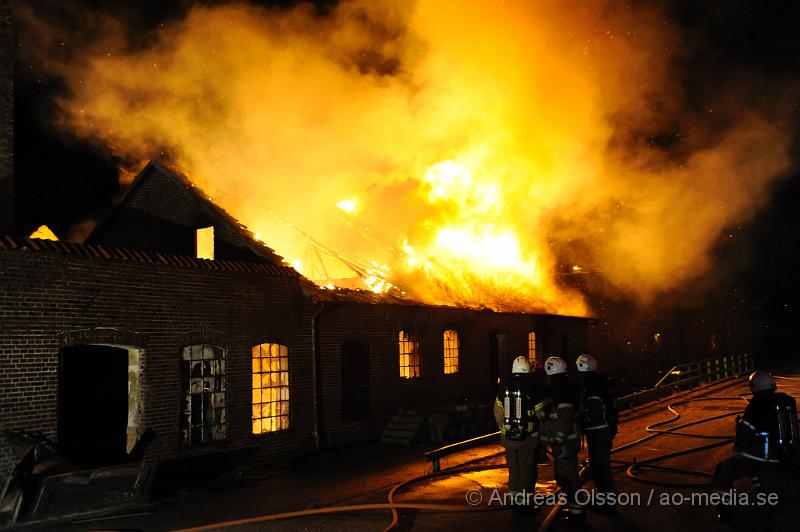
<point x="559" y="422"/>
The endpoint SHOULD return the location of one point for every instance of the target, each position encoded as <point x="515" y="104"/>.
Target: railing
<point x="690" y="374"/>
<point x="435" y="455"/>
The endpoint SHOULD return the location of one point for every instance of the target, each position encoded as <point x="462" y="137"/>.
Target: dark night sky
<point x="62" y="181"/>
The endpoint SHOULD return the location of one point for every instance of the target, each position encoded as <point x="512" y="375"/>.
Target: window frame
<point x="278" y="383"/>
<point x="533" y="351"/>
<point x="445" y="348"/>
<point x="411" y="338"/>
<point x="214" y="400"/>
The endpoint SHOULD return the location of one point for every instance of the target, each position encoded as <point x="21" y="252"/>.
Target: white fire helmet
<point x="555" y="365"/>
<point x="521" y="365"/>
<point x="761" y="381"/>
<point x="586" y="363"/>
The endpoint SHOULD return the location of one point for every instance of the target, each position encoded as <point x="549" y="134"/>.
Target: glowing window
<point x="532" y="348"/>
<point x="203" y="378"/>
<point x="409" y="355"/>
<point x="451" y="346"/>
<point x="205" y="243"/>
<point x="270" y="388"/>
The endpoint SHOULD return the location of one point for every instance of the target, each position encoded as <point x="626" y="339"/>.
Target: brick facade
<point x="378" y="326"/>
<point x="135" y="284"/>
<point x="49" y="301"/>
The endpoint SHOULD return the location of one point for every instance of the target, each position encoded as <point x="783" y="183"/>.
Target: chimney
<point x="6" y="120"/>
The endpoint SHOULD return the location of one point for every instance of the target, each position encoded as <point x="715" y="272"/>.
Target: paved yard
<point x="658" y="499"/>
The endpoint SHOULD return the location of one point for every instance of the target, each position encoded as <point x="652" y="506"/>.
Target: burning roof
<point x="212" y="214"/>
<point x="469" y="153"/>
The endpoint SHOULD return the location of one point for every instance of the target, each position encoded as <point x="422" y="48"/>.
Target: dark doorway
<point x="355" y="381"/>
<point x="93" y="405"/>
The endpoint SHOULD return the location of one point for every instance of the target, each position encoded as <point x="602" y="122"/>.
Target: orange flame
<point x="486" y="143"/>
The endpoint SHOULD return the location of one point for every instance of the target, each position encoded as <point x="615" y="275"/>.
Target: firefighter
<point x="599" y="418"/>
<point x="766" y="438"/>
<point x="560" y="432"/>
<point x="515" y="413"/>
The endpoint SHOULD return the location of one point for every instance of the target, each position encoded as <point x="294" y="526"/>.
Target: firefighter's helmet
<point x="555" y="365"/>
<point x="761" y="381"/>
<point x="521" y="365"/>
<point x="586" y="363"/>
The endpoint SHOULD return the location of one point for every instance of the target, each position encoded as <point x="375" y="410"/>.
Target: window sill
<point x="189" y="448"/>
<point x="266" y="435"/>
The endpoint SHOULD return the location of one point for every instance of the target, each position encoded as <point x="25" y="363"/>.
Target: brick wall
<point x="6" y="120"/>
<point x="378" y="325"/>
<point x="50" y="300"/>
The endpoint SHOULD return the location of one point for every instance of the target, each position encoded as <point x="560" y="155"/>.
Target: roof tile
<point x="99" y="252"/>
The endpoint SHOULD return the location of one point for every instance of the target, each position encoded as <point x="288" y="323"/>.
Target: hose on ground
<point x="336" y="509"/>
<point x="397" y="487"/>
<point x="390" y="505"/>
<point x="551" y="517"/>
<point x="394" y="506"/>
<point x="675" y="416"/>
<point x="632" y="469"/>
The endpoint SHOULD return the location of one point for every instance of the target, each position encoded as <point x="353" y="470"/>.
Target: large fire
<point x="464" y="152"/>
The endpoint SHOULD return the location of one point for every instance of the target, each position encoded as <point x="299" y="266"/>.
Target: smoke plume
<point x="481" y="149"/>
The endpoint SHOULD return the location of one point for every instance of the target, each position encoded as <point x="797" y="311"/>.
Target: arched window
<point x="409" y="355"/>
<point x="451" y="347"/>
<point x="203" y="378"/>
<point x="270" y="388"/>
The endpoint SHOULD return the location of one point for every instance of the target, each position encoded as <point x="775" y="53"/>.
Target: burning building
<point x="479" y="151"/>
<point x="172" y="319"/>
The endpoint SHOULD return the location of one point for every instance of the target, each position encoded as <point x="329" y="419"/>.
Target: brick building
<point x="94" y="343"/>
<point x="173" y="319"/>
<point x="455" y="355"/>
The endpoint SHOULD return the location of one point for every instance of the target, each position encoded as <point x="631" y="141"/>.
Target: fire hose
<point x="786" y="378"/>
<point x="390" y="505"/>
<point x="335" y="509"/>
<point x="550" y="518"/>
<point x="631" y="470"/>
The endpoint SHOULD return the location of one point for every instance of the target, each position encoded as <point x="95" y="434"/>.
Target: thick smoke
<point x="573" y="117"/>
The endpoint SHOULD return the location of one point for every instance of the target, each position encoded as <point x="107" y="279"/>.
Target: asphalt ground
<point x="473" y="482"/>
